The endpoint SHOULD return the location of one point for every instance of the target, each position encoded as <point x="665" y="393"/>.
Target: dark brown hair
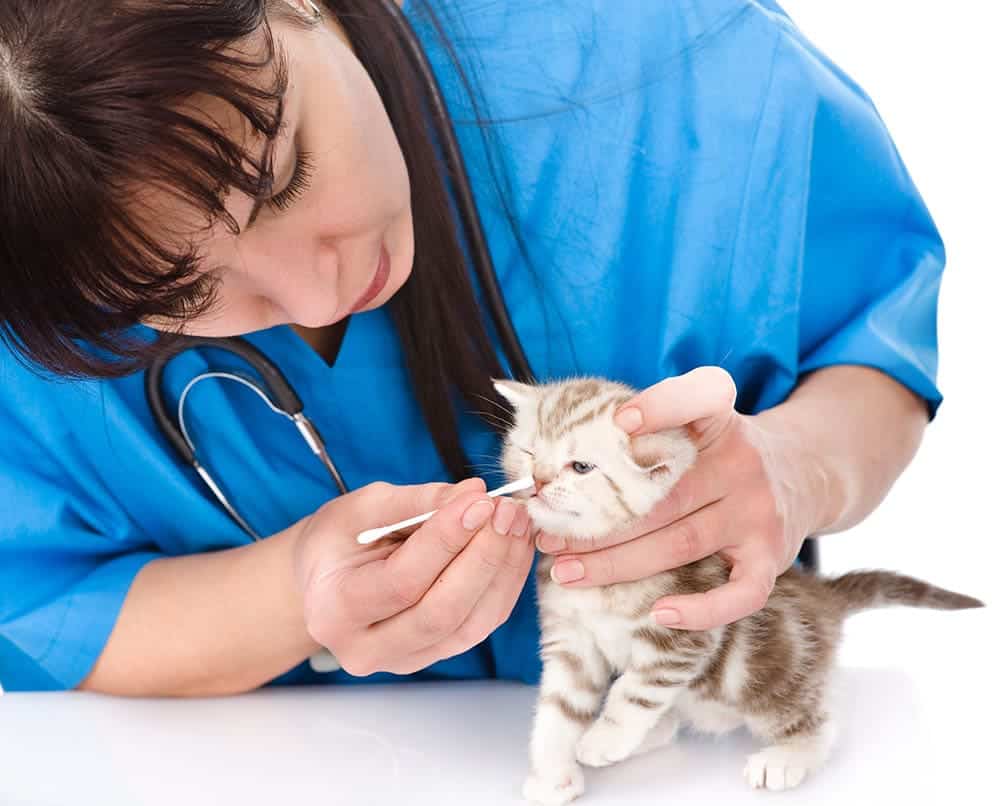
<point x="92" y="109"/>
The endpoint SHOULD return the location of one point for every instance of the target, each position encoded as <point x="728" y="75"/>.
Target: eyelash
<point x="297" y="185"/>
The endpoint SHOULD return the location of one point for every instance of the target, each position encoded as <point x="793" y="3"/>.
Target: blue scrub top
<point x="696" y="184"/>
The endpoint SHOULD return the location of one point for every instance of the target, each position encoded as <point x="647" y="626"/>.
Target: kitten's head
<point x="590" y="478"/>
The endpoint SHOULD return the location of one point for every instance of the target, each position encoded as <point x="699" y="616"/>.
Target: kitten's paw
<point x="776" y="768"/>
<point x="554" y="789"/>
<point x="605" y="743"/>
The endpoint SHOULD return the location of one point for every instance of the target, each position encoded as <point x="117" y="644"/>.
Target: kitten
<point x="615" y="683"/>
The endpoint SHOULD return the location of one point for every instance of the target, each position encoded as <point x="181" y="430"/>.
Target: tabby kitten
<point x="614" y="682"/>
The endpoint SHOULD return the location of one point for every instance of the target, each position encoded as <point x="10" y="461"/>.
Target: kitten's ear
<point x="663" y="452"/>
<point x="517" y="394"/>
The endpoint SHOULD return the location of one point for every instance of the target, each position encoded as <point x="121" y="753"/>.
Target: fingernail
<point x="521" y="525"/>
<point x="629" y="420"/>
<point x="666" y="617"/>
<point x="477" y="514"/>
<point x="504" y="516"/>
<point x="568" y="571"/>
<point x="550" y="544"/>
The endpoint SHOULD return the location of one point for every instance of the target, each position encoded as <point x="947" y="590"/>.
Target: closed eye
<point x="297" y="185"/>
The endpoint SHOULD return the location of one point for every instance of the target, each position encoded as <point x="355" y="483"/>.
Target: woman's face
<point x="342" y="240"/>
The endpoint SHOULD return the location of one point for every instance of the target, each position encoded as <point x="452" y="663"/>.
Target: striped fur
<point x="615" y="683"/>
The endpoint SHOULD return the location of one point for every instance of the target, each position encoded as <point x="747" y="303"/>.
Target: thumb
<point x="699" y="398"/>
<point x="453" y="491"/>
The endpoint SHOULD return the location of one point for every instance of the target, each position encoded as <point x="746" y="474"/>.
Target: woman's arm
<point x="861" y="429"/>
<point x="228" y="622"/>
<point x="208" y="624"/>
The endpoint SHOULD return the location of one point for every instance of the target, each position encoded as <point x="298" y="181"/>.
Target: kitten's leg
<point x="660" y="735"/>
<point x="800" y="747"/>
<point x="637" y="701"/>
<point x="574" y="680"/>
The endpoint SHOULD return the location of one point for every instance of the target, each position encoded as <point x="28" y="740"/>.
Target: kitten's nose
<point x="540" y="481"/>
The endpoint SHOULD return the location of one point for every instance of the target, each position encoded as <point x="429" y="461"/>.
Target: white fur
<point x="596" y="625"/>
<point x="785" y="765"/>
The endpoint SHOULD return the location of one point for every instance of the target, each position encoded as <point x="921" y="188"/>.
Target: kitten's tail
<point x="861" y="590"/>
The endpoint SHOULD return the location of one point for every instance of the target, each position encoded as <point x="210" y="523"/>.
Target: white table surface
<point x="916" y="732"/>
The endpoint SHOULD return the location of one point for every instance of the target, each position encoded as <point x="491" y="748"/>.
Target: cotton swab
<point x="371" y="535"/>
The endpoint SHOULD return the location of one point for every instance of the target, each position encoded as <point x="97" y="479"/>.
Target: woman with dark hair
<point x="685" y="197"/>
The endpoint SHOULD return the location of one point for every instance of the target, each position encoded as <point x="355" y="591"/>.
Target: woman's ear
<point x="517" y="394"/>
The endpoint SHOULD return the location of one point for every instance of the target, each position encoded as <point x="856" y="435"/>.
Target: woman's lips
<point x="378" y="281"/>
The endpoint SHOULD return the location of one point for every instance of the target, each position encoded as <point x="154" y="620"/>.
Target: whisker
<point x="488" y="463"/>
<point x="495" y="421"/>
<point x="488" y="414"/>
<point x="486" y="457"/>
<point x="492" y="414"/>
<point x="491" y="456"/>
<point x="481" y="468"/>
<point x="496" y="404"/>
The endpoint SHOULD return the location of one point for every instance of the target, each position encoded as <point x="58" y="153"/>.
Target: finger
<point x="445" y="607"/>
<point x="695" y="399"/>
<point x="383" y="588"/>
<point x="449" y="492"/>
<point x="380" y="503"/>
<point x="693" y="538"/>
<point x="706" y="483"/>
<point x="494" y="607"/>
<point x="746" y="592"/>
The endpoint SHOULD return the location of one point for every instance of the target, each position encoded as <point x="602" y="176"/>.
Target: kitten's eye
<point x="525" y="450"/>
<point x="582" y="467"/>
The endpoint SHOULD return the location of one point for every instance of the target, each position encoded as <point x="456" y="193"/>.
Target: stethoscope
<point x="278" y="394"/>
<point x="271" y="385"/>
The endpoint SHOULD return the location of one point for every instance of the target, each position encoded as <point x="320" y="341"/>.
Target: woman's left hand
<point x="753" y="495"/>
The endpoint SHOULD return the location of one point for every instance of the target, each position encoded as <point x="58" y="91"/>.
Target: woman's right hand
<point x="400" y="605"/>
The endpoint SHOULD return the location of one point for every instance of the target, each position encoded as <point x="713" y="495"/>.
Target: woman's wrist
<point x="849" y="432"/>
<point x="815" y="484"/>
<point x="209" y="624"/>
<point x="288" y="560"/>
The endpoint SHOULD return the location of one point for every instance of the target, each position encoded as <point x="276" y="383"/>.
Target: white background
<point x="933" y="70"/>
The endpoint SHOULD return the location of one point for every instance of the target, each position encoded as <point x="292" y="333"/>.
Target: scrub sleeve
<point x="64" y="573"/>
<point x="873" y="259"/>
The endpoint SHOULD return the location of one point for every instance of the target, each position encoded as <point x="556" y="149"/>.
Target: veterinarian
<point x="689" y="198"/>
